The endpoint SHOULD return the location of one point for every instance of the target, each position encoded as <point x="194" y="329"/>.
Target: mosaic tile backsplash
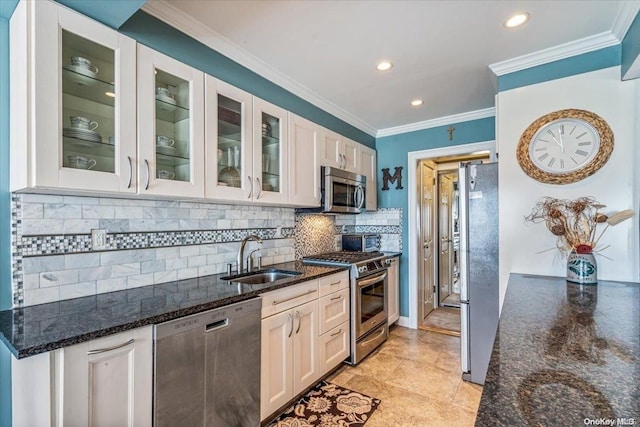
<point x="150" y="242"/>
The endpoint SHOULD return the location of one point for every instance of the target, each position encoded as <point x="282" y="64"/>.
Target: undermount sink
<point x="262" y="276"/>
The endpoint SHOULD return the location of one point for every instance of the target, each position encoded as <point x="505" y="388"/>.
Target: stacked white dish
<point x="85" y="74"/>
<point x="168" y="102"/>
<point x="169" y="151"/>
<point x="85" y="134"/>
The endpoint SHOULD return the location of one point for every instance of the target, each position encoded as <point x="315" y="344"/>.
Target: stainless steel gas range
<point x="369" y="307"/>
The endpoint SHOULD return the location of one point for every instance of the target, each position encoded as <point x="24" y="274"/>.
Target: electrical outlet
<point x="98" y="239"/>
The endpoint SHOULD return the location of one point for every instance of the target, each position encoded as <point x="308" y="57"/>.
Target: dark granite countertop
<point x="40" y="328"/>
<point x="564" y="355"/>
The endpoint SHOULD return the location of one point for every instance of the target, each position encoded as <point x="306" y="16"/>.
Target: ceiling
<point x="326" y="51"/>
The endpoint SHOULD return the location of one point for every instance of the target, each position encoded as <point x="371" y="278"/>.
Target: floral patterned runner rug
<point x="328" y="405"/>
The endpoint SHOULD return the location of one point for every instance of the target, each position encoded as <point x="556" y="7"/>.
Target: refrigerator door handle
<point x="465" y="361"/>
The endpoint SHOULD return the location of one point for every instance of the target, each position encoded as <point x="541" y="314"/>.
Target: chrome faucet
<point x="240" y="259"/>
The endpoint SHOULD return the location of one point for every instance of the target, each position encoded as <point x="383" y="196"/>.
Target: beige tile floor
<point x="417" y="376"/>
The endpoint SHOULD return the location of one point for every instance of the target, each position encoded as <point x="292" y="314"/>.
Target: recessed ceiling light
<point x="517" y="20"/>
<point x="416" y="102"/>
<point x="384" y="66"/>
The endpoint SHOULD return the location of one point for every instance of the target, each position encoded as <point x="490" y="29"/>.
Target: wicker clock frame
<point x="604" y="152"/>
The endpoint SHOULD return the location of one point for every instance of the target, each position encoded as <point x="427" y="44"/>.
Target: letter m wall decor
<point x="396" y="178"/>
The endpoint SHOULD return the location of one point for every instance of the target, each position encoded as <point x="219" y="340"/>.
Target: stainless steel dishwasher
<point x="207" y="368"/>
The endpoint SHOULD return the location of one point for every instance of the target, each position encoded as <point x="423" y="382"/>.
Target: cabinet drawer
<point x="334" y="347"/>
<point x="334" y="309"/>
<point x="335" y="282"/>
<point x="283" y="299"/>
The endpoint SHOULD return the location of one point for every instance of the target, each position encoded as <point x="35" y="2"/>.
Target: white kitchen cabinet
<point x="393" y="283"/>
<point x="333" y="309"/>
<point x="289" y="355"/>
<point x="103" y="382"/>
<point x="303" y="162"/>
<point x="64" y="66"/>
<point x="171" y="130"/>
<point x="334" y="347"/>
<point x="339" y="152"/>
<point x="368" y="169"/>
<point x="107" y="381"/>
<point x="229" y="141"/>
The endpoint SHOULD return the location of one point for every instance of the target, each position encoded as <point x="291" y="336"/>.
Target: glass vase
<point x="582" y="268"/>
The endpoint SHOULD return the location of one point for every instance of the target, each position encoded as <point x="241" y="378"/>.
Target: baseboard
<point x="404" y="321"/>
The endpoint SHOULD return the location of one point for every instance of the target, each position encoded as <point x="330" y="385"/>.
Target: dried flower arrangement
<point x="574" y="222"/>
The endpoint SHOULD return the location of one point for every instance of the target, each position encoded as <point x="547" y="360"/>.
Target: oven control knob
<point x="362" y="269"/>
<point x="387" y="261"/>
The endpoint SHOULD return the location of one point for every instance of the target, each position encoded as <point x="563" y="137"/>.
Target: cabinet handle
<point x="336" y="333"/>
<point x="297" y="296"/>
<point x="342" y="161"/>
<point x="259" y="188"/>
<point x="115" y="347"/>
<point x="146" y="162"/>
<point x="291" y="320"/>
<point x="299" y="321"/>
<point x="251" y="185"/>
<point x="336" y="298"/>
<point x="335" y="283"/>
<point x="130" y="171"/>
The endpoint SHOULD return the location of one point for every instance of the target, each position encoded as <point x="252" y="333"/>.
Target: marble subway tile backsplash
<point x="148" y="242"/>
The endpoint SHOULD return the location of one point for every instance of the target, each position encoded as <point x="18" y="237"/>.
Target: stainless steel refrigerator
<point x="479" y="278"/>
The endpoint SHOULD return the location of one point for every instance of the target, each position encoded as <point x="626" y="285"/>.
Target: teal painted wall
<point x="393" y="151"/>
<point x="631" y="45"/>
<point x="584" y="63"/>
<point x="5" y="213"/>
<point x="109" y="12"/>
<point x="157" y="35"/>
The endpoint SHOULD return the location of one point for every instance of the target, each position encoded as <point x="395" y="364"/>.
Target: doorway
<point x="438" y="243"/>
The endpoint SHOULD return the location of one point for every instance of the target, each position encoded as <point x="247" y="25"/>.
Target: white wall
<point x="616" y="185"/>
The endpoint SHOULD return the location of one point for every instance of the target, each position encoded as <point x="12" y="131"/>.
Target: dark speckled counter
<point x="36" y="329"/>
<point x="564" y="355"/>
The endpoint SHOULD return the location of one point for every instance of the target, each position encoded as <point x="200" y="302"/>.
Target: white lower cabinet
<point x="104" y="382"/>
<point x="334" y="347"/>
<point x="289" y="355"/>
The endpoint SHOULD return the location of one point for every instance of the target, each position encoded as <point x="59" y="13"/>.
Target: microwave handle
<point x="359" y="197"/>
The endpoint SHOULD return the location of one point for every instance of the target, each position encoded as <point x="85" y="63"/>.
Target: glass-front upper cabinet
<point x="270" y="148"/>
<point x="170" y="126"/>
<point x="82" y="77"/>
<point x="229" y="146"/>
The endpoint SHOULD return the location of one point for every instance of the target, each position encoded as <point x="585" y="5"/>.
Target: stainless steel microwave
<point x="342" y="191"/>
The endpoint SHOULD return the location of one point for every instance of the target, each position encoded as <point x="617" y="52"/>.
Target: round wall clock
<point x="565" y="146"/>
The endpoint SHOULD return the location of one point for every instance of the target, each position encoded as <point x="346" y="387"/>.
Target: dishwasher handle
<point x="220" y="324"/>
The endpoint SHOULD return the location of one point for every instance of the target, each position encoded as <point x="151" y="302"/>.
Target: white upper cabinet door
<point x="229" y="142"/>
<point x="270" y="147"/>
<point x="304" y="164"/>
<point x="73" y="123"/>
<point x="368" y="169"/>
<point x="351" y="155"/>
<point x="170" y="126"/>
<point x="331" y="149"/>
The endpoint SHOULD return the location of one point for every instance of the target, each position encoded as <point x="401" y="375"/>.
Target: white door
<point x="108" y="381"/>
<point x="276" y="370"/>
<point x="170" y="126"/>
<point x="81" y="122"/>
<point x="229" y="142"/>
<point x="304" y="162"/>
<point x="368" y="169"/>
<point x="426" y="284"/>
<point x="351" y="155"/>
<point x="270" y="147"/>
<point x="331" y="149"/>
<point x="306" y="365"/>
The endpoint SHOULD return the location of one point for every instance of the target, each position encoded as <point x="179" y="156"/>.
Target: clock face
<point x="564" y="146"/>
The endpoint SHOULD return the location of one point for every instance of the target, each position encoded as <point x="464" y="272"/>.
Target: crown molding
<point x="440" y="121"/>
<point x="555" y="53"/>
<point x="625" y="18"/>
<point x="169" y="14"/>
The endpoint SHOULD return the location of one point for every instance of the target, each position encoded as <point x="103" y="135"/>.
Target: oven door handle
<point x="368" y="281"/>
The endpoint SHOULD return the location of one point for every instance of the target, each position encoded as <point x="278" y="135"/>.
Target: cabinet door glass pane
<point x="173" y="128"/>
<point x="88" y="107"/>
<point x="229" y="142"/>
<point x="270" y="153"/>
